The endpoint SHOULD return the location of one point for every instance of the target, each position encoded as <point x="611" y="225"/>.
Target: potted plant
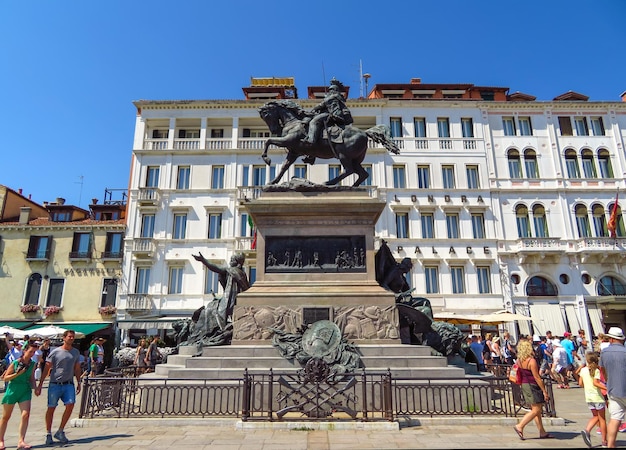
<point x="50" y="310"/>
<point x="29" y="308"/>
<point x="108" y="310"/>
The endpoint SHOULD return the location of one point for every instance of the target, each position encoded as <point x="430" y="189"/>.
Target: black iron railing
<point x="278" y="396"/>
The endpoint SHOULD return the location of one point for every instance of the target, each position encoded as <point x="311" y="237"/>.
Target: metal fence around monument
<point x="284" y="396"/>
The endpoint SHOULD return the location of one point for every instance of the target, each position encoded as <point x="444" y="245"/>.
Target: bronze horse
<point x="287" y="120"/>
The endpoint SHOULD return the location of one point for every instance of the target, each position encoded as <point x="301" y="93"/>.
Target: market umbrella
<point x="502" y="317"/>
<point x="456" y="319"/>
<point x="51" y="332"/>
<point x="14" y="332"/>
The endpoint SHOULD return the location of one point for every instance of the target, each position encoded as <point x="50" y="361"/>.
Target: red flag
<point x="612" y="224"/>
<point x="253" y="246"/>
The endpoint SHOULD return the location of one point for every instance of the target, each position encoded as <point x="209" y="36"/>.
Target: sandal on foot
<point x="519" y="433"/>
<point x="547" y="436"/>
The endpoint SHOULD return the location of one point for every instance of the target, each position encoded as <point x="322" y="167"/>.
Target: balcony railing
<point x="539" y="244"/>
<point x="602" y="244"/>
<point x="38" y="255"/>
<point x="245" y="243"/>
<point x="155" y="144"/>
<point x="149" y="195"/>
<point x="143" y="245"/>
<point x="186" y="144"/>
<point x="138" y="302"/>
<point x="112" y="255"/>
<point x="219" y="144"/>
<point x="80" y="255"/>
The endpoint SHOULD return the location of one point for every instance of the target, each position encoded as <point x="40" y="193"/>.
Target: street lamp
<point x="366" y="77"/>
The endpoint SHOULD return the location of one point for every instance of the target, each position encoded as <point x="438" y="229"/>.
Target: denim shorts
<point x="596" y="406"/>
<point x="64" y="392"/>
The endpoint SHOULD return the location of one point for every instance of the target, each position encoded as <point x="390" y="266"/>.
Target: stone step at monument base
<point x="230" y="361"/>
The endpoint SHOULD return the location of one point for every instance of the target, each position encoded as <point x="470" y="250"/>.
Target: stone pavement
<point x="195" y="434"/>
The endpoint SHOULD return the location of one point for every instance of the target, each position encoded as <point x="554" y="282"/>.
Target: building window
<point x="581" y="126"/>
<point x="443" y="131"/>
<point x="447" y="174"/>
<point x="540" y="287"/>
<point x="188" y="134"/>
<point x="252" y="275"/>
<point x="484" y="280"/>
<point x="246" y="226"/>
<point x="472" y="177"/>
<point x="211" y="282"/>
<point x="299" y="171"/>
<point x="571" y="162"/>
<point x="467" y="127"/>
<point x="62" y="216"/>
<point x="420" y="126"/>
<point x="113" y="245"/>
<point x="55" y="292"/>
<point x="428" y="226"/>
<point x="109" y="292"/>
<point x="81" y="245"/>
<point x="611" y="286"/>
<point x="515" y="167"/>
<point x="431" y="273"/>
<point x="597" y="126"/>
<point x="582" y="221"/>
<point x="399" y="177"/>
<point x="39" y="247"/>
<point x="175" y="285"/>
<point x="258" y="175"/>
<point x="452" y="223"/>
<point x="180" y="226"/>
<point x="215" y="225"/>
<point x="217" y="177"/>
<point x="478" y="226"/>
<point x="147" y="226"/>
<point x="530" y="162"/>
<point x="508" y="124"/>
<point x="396" y="127"/>
<point x="333" y="171"/>
<point x="423" y="177"/>
<point x="458" y="280"/>
<point x="619" y="230"/>
<point x="184" y="173"/>
<point x="142" y="283"/>
<point x="539" y="218"/>
<point x="523" y="224"/>
<point x="33" y="289"/>
<point x="565" y="124"/>
<point x="245" y="175"/>
<point x="589" y="168"/>
<point x="525" y="126"/>
<point x="107" y="215"/>
<point x="369" y="180"/>
<point x="217" y="133"/>
<point x="604" y="162"/>
<point x="402" y="225"/>
<point x="160" y="134"/>
<point x="599" y="221"/>
<point x="152" y="176"/>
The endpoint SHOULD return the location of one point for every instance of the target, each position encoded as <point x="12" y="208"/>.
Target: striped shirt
<point x="613" y="359"/>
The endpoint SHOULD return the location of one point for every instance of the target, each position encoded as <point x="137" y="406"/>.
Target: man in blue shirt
<point x="570" y="350"/>
<point x="613" y="367"/>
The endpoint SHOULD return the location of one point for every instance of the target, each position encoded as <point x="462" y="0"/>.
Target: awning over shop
<point x="547" y="316"/>
<point x="524" y="325"/>
<point x="572" y="319"/>
<point x="595" y="317"/>
<point x="159" y="324"/>
<point x="85" y="328"/>
<point x="21" y="324"/>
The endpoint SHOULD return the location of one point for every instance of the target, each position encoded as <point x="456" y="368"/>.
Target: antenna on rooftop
<point x="80" y="195"/>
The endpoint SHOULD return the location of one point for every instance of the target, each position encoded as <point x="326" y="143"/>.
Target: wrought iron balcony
<point x="112" y="255"/>
<point x="81" y="255"/>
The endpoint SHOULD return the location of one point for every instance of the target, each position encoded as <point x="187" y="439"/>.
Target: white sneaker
<point x="586" y="438"/>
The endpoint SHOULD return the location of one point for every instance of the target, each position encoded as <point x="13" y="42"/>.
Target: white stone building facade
<point x="499" y="204"/>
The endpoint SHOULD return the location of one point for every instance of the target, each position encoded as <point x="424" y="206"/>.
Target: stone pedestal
<point x="315" y="260"/>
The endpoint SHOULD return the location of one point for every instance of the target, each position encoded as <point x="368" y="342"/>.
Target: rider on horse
<point x="332" y="110"/>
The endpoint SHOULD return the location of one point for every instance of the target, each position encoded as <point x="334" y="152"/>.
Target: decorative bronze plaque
<point x="314" y="254"/>
<point x="312" y="315"/>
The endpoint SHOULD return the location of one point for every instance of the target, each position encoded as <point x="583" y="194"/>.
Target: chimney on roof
<point x="60" y="201"/>
<point x="416" y="80"/>
<point x="24" y="214"/>
<point x="19" y="191"/>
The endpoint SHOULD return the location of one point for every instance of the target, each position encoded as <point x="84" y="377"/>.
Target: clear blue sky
<point x="69" y="70"/>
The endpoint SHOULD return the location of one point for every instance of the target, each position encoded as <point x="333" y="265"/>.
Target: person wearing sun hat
<point x="613" y="366"/>
<point x="559" y="364"/>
